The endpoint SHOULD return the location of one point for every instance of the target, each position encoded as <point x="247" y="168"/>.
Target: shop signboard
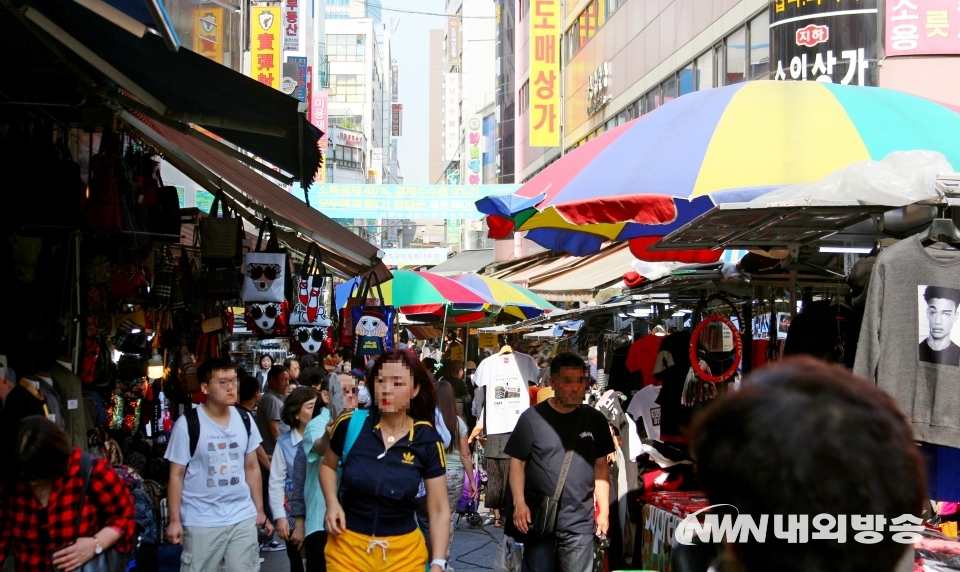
<point x="453" y="176"/>
<point x="397" y="119"/>
<point x="473" y="154"/>
<point x="207" y="30"/>
<point x="451" y="116"/>
<point x="318" y="117"/>
<point x="597" y="93"/>
<point x="489" y="341"/>
<point x="265" y="45"/>
<point x="833" y="42"/>
<point x="395" y="83"/>
<point x="453" y="40"/>
<point x="291" y="25"/>
<point x="414" y="256"/>
<point x="453" y="231"/>
<point x="452" y="202"/>
<point x="300" y="92"/>
<point x="545" y="73"/>
<point x="922" y="27"/>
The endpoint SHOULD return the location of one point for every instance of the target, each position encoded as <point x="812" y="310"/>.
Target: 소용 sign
<point x="265" y="45"/>
<point x="544" y="73"/>
<point x="506" y="394"/>
<point x="833" y="42"/>
<point x="922" y="27"/>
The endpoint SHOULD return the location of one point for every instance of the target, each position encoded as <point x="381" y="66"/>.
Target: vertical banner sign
<point x="301" y="90"/>
<point x="310" y="92"/>
<point x="265" y="44"/>
<point x="291" y="25"/>
<point x="832" y="42"/>
<point x="318" y="117"/>
<point x="397" y="117"/>
<point x="922" y="28"/>
<point x="206" y="33"/>
<point x="453" y="40"/>
<point x="453" y="176"/>
<point x="395" y="79"/>
<point x="451" y="116"/>
<point x="544" y="74"/>
<point x="472" y="168"/>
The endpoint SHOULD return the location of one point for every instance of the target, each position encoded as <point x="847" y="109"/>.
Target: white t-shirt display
<point x="644" y="405"/>
<point x="215" y="491"/>
<point x="506" y="396"/>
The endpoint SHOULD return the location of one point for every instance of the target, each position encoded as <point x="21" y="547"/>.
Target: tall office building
<point x="505" y="90"/>
<point x="437" y="164"/>
<point x="345" y="9"/>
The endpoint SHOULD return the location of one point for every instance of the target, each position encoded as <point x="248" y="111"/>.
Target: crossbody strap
<point x="86" y="464"/>
<point x="567" y="458"/>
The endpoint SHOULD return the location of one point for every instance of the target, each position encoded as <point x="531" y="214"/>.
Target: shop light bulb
<point x="155" y="366"/>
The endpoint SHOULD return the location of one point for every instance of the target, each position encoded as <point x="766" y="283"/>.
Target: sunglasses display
<point x="258" y="311"/>
<point x="304" y="335"/>
<point x="256" y="271"/>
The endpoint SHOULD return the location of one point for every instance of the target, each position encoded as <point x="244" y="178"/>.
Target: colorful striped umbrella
<point x="650" y="176"/>
<point x="426" y="297"/>
<point x="516" y="301"/>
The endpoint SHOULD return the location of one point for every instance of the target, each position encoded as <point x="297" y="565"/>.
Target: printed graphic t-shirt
<point x="539" y="439"/>
<point x="644" y="406"/>
<point x="215" y="491"/>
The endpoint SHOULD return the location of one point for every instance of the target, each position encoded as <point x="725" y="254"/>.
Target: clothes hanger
<point x="942" y="231"/>
<point x="506" y="350"/>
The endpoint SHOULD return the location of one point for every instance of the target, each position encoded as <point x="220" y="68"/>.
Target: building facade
<point x="437" y="167"/>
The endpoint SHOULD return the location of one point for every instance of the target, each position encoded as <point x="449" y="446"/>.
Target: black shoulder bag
<point x="110" y="560"/>
<point x="543" y="515"/>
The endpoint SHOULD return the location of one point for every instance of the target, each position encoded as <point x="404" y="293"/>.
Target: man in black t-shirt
<point x="537" y="448"/>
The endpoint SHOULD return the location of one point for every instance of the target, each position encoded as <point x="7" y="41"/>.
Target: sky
<point x="410" y="38"/>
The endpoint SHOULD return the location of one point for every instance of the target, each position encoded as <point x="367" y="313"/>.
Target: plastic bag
<point x="509" y="556"/>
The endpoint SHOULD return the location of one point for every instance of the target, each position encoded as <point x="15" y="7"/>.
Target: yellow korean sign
<point x="208" y="33"/>
<point x="266" y="43"/>
<point x="544" y="73"/>
<point x="489" y="341"/>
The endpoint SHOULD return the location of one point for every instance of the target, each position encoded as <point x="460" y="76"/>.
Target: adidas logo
<point x="408" y="458"/>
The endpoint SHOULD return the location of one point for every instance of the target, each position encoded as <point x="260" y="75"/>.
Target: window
<point x="669" y="89"/>
<point x="685" y="77"/>
<point x="705" y="75"/>
<point x="610" y="6"/>
<point x="346" y="47"/>
<point x="573" y="39"/>
<point x="347" y="156"/>
<point x="760" y="45"/>
<point x="347" y="88"/>
<point x="719" y="65"/>
<point x="524" y="97"/>
<point x="736" y="56"/>
<point x="653" y="100"/>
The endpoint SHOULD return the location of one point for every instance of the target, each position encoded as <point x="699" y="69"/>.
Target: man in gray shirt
<point x="269" y="407"/>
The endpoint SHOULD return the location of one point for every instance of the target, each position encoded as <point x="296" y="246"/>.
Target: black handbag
<point x="543" y="515"/>
<point x="110" y="560"/>
<point x="219" y="284"/>
<point x="220" y="236"/>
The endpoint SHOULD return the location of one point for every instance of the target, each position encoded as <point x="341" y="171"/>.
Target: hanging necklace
<point x="401" y="431"/>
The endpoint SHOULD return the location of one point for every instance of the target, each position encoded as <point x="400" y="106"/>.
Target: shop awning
<point x="185" y="87"/>
<point x="342" y="249"/>
<point x="464" y="262"/>
<point x="581" y="281"/>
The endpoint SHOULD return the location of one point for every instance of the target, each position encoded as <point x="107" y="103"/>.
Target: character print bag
<point x="372" y="328"/>
<point x="264" y="273"/>
<point x="310" y="323"/>
<point x="268" y="319"/>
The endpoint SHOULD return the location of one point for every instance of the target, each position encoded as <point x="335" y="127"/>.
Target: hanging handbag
<point x="165" y="214"/>
<point x="220" y="237"/>
<point x="310" y="322"/>
<point x="372" y="329"/>
<point x="110" y="560"/>
<point x="189" y="381"/>
<point x="267" y="319"/>
<point x="543" y="514"/>
<point x="162" y="289"/>
<point x="346" y="314"/>
<point x="219" y="284"/>
<point x="265" y="273"/>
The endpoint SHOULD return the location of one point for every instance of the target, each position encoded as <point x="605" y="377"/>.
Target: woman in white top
<point x="297" y="412"/>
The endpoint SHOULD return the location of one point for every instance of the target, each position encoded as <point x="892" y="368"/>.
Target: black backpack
<point x="193" y="426"/>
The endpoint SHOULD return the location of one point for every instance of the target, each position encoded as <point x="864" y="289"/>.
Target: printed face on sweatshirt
<point x="937" y="316"/>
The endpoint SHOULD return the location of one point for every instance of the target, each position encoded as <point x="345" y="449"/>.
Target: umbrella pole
<point x="443" y="332"/>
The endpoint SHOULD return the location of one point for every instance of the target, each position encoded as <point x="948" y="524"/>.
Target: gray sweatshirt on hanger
<point x="908" y="339"/>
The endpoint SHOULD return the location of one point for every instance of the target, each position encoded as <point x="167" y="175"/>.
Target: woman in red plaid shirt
<point x="40" y="511"/>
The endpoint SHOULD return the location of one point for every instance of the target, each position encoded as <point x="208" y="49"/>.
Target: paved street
<point x="473" y="549"/>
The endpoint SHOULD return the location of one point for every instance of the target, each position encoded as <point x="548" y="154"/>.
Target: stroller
<point x="466" y="506"/>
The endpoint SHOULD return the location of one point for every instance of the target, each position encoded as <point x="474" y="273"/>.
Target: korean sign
<point x="265" y="45"/>
<point x="397" y="119"/>
<point x="318" y="118"/>
<point x="544" y="73"/>
<point x="300" y="92"/>
<point x="472" y="168"/>
<point x="207" y="31"/>
<point x="291" y="25"/>
<point x="403" y="201"/>
<point x="453" y="40"/>
<point x="405" y="256"/>
<point x="451" y="116"/>
<point x="833" y="42"/>
<point x="922" y="27"/>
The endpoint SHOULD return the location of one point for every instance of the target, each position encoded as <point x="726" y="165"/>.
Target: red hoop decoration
<point x="737" y="349"/>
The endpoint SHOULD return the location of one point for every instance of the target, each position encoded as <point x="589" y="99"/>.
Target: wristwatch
<point x="97" y="550"/>
<point x="439" y="562"/>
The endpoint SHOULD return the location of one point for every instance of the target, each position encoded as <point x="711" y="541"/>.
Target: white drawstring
<point x="383" y="544"/>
